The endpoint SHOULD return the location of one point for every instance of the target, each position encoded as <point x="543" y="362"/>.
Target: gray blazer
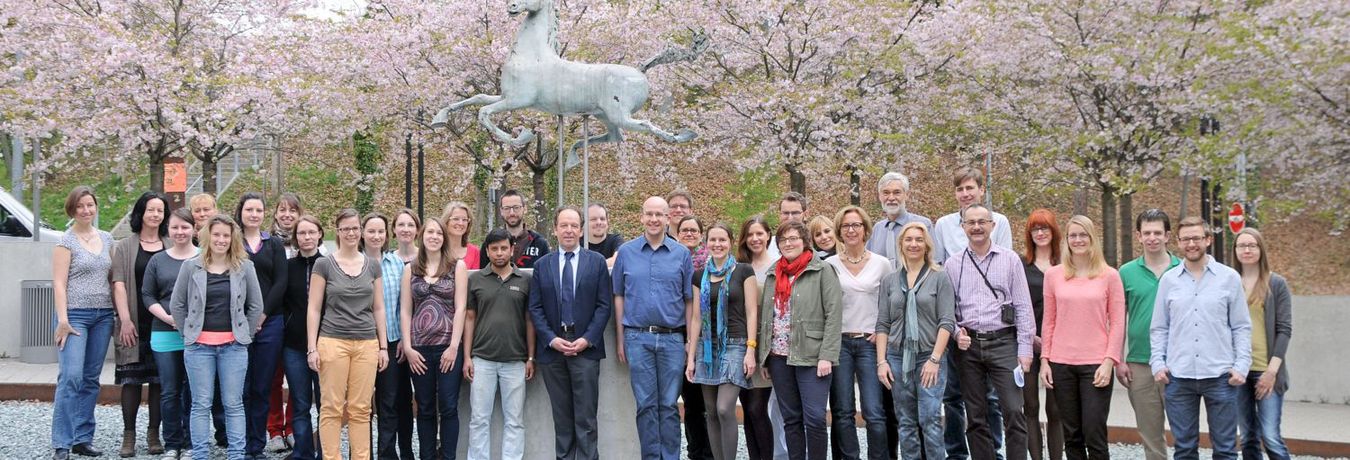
<point x="1279" y="327"/>
<point x="937" y="309"/>
<point x="188" y="304"/>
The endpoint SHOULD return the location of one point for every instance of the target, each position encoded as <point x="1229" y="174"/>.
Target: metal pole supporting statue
<point x="536" y="77"/>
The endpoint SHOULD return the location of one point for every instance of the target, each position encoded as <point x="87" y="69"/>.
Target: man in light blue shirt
<point x="1201" y="341"/>
<point x="653" y="299"/>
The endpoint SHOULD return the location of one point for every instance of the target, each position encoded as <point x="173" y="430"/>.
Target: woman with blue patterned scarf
<point x="717" y="357"/>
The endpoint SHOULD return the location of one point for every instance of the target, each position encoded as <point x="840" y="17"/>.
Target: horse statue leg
<point x="504" y="105"/>
<point x="626" y="121"/>
<point x="443" y="116"/>
<point x="612" y="134"/>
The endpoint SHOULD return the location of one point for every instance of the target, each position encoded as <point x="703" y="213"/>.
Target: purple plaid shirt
<point x="978" y="309"/>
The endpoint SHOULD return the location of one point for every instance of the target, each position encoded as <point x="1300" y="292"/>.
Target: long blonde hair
<point x="1262" y="287"/>
<point x="235" y="255"/>
<point x="1096" y="262"/>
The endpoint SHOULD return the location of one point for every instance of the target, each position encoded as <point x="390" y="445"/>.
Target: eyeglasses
<point x="790" y="240"/>
<point x="349" y="229"/>
<point x="1040" y="229"/>
<point x="1079" y="236"/>
<point x="679" y="206"/>
<point x="308" y="233"/>
<point x="690" y="231"/>
<point x="459" y="220"/>
<point x="513" y="208"/>
<point x="979" y="222"/>
<point x="1191" y="240"/>
<point x="851" y="226"/>
<point x="1248" y="247"/>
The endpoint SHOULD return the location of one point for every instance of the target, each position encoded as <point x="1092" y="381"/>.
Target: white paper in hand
<point x="1018" y="378"/>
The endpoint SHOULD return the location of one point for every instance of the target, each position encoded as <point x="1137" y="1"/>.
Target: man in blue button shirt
<point x="1201" y="341"/>
<point x="653" y="299"/>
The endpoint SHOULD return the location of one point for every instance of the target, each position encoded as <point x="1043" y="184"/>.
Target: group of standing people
<point x="938" y="329"/>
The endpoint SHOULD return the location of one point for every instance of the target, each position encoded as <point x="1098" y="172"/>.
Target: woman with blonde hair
<point x="860" y="273"/>
<point x="1261" y="398"/>
<point x="824" y="236"/>
<point x="1082" y="339"/>
<point x="345" y="338"/>
<point x="916" y="319"/>
<point x="458" y="221"/>
<point x="218" y="304"/>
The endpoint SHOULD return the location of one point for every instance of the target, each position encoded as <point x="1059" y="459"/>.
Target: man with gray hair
<point x="893" y="193"/>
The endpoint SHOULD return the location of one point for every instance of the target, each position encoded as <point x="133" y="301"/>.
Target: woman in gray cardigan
<point x="1261" y="398"/>
<point x="135" y="361"/>
<point x="217" y="305"/>
<point x="915" y="317"/>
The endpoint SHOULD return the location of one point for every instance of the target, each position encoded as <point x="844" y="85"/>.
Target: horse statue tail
<point x="672" y="54"/>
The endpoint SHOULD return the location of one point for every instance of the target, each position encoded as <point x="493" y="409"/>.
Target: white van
<point x="16" y="222"/>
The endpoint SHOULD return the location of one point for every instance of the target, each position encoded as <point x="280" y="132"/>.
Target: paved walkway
<point x="1309" y="428"/>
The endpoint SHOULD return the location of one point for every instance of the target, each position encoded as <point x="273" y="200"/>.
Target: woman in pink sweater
<point x="1084" y="296"/>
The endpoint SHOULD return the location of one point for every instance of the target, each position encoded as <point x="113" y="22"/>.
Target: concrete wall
<point x="1317" y="369"/>
<point x="19" y="261"/>
<point x="616" y="420"/>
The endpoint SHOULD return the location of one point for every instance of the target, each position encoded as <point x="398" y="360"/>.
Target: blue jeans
<point x="264" y="355"/>
<point x="207" y="365"/>
<point x="1259" y="421"/>
<point x="801" y="399"/>
<point x="80" y="363"/>
<point x="437" y="395"/>
<point x="304" y="386"/>
<point x="857" y="367"/>
<point x="919" y="409"/>
<point x="175" y="399"/>
<point x="954" y="432"/>
<point x="656" y="364"/>
<point x="1182" y="403"/>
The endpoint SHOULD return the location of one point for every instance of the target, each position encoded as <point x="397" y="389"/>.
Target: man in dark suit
<point x="570" y="297"/>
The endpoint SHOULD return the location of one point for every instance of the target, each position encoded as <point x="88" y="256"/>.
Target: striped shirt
<point x="977" y="308"/>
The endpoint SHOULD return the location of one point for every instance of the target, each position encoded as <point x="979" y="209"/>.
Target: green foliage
<point x="751" y="194"/>
<point x="368" y="157"/>
<point x="115" y="195"/>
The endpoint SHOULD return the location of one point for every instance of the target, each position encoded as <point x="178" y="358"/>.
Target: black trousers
<point x="1082" y="411"/>
<point x="393" y="409"/>
<point x="991" y="361"/>
<point x="695" y="423"/>
<point x="573" y="385"/>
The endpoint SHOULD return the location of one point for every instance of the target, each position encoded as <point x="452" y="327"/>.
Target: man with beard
<point x="893" y="193"/>
<point x="993" y="310"/>
<point x="791" y="208"/>
<point x="1201" y="343"/>
<point x="528" y="245"/>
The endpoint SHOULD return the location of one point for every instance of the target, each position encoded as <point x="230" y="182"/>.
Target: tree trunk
<point x="1126" y="227"/>
<point x="1185" y="188"/>
<point x="1080" y="198"/>
<point x="1108" y="224"/>
<point x="157" y="173"/>
<point x="407" y="170"/>
<point x="796" y="180"/>
<point x="209" y="176"/>
<point x="855" y="186"/>
<point x="539" y="180"/>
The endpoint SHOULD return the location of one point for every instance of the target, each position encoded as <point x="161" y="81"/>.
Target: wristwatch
<point x="934" y="359"/>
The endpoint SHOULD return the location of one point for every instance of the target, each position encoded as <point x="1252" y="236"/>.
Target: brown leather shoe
<point x="128" y="444"/>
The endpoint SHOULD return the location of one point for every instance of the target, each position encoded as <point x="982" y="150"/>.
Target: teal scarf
<point x="710" y="354"/>
<point x="910" y="344"/>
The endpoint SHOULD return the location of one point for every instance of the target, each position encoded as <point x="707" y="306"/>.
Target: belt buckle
<point x="567" y="328"/>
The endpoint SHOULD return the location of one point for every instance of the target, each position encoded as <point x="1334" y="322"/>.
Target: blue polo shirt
<point x="654" y="282"/>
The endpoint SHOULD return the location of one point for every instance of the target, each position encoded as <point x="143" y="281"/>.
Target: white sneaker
<point x="276" y="444"/>
<point x="172" y="454"/>
<point x="290" y="441"/>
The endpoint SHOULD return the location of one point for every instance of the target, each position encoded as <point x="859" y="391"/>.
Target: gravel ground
<point x="25" y="433"/>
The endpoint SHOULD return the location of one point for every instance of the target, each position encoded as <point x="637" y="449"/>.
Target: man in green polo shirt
<point x="499" y="340"/>
<point x="1152" y="228"/>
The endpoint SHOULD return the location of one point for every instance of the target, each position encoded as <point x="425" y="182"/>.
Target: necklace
<point x="156" y="240"/>
<point x="852" y="260"/>
<point x="88" y="239"/>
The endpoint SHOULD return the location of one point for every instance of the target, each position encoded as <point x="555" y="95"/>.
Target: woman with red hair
<point x="1042" y="238"/>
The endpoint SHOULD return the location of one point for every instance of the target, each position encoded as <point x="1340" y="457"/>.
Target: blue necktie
<point x="568" y="289"/>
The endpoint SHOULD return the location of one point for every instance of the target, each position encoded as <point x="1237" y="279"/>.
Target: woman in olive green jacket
<point x="798" y="343"/>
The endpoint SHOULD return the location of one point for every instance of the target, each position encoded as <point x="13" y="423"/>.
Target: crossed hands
<point x="571" y="348"/>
